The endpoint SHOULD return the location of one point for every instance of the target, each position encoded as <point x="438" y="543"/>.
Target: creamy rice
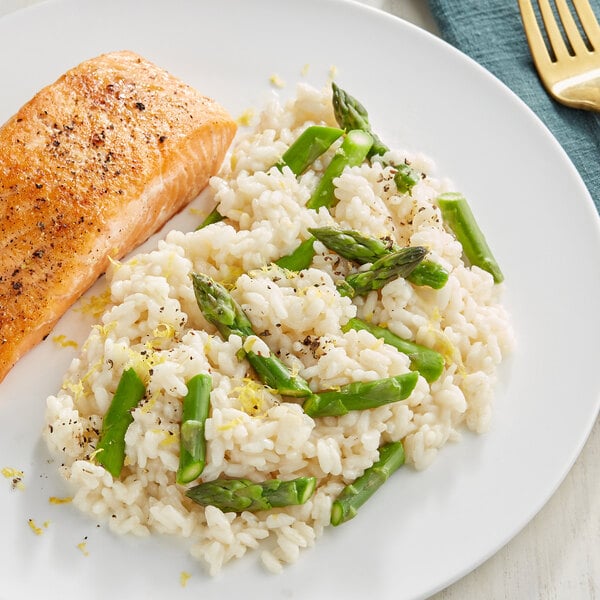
<point x="153" y="324"/>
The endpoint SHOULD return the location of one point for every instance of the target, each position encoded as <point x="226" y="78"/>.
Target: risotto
<point x="154" y="325"/>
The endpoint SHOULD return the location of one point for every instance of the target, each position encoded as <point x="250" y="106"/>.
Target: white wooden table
<point x="556" y="556"/>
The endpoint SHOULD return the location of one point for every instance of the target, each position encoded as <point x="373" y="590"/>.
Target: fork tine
<point x="571" y="30"/>
<point x="588" y="22"/>
<point x="537" y="45"/>
<point x="555" y="37"/>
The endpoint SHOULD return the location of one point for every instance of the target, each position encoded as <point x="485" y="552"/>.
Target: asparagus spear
<point x="220" y="309"/>
<point x="429" y="273"/>
<point x="351" y="153"/>
<point x="238" y="495"/>
<point x="351" y="114"/>
<point x="457" y="214"/>
<point x="311" y="143"/>
<point x="405" y="178"/>
<point x="353" y="496"/>
<point x="390" y="266"/>
<point x="426" y="361"/>
<point x="213" y="217"/>
<point x="192" y="452"/>
<point x="300" y="258"/>
<point x="360" y="396"/>
<point x="110" y="451"/>
<point x="352" y="245"/>
<point x="355" y="246"/>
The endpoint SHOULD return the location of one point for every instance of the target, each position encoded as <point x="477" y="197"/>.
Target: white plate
<point x="422" y="530"/>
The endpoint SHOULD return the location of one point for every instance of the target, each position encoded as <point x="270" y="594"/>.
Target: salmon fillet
<point x="90" y="168"/>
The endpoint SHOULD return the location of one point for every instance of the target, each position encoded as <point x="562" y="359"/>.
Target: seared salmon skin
<point x="91" y="167"/>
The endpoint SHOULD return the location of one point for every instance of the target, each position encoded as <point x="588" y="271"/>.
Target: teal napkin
<point x="491" y="32"/>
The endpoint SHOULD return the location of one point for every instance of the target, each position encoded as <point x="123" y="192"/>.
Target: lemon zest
<point x="95" y="453"/>
<point x="11" y="473"/>
<point x="232" y="276"/>
<point x="245" y="119"/>
<point x="96" y="305"/>
<point x="170" y="438"/>
<point x="104" y="330"/>
<point x="117" y="264"/>
<point x="163" y="330"/>
<point x="56" y="500"/>
<point x="230" y="424"/>
<point x="37" y="530"/>
<point x="142" y="363"/>
<point x="83" y="547"/>
<point x="64" y="342"/>
<point x="448" y="350"/>
<point x="251" y="397"/>
<point x="148" y="406"/>
<point x="95" y="367"/>
<point x="76" y="388"/>
<point x="184" y="577"/>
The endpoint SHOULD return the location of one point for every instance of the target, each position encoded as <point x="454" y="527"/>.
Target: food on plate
<point x="89" y="168"/>
<point x="222" y="311"/>
<point x="351" y="153"/>
<point x="110" y="449"/>
<point x="239" y="495"/>
<point x="192" y="442"/>
<point x="457" y="214"/>
<point x="355" y="494"/>
<point x="337" y="340"/>
<point x="359" y="248"/>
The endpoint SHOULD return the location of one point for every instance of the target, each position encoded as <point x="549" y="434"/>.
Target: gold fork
<point x="569" y="69"/>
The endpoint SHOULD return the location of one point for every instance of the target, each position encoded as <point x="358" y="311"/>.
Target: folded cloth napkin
<point x="492" y="33"/>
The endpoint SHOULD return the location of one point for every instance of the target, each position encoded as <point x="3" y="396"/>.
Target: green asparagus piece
<point x="300" y="258"/>
<point x="457" y="214"/>
<point x="220" y="309"/>
<point x="360" y="396"/>
<point x="429" y="273"/>
<point x="352" y="245"/>
<point x="239" y="495"/>
<point x="357" y="247"/>
<point x="192" y="451"/>
<point x="345" y="289"/>
<point x="351" y="114"/>
<point x="214" y="216"/>
<point x="110" y="451"/>
<point x="353" y="496"/>
<point x="426" y="361"/>
<point x="405" y="178"/>
<point x="351" y="153"/>
<point x="311" y="143"/>
<point x="390" y="266"/>
<point x="274" y="374"/>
